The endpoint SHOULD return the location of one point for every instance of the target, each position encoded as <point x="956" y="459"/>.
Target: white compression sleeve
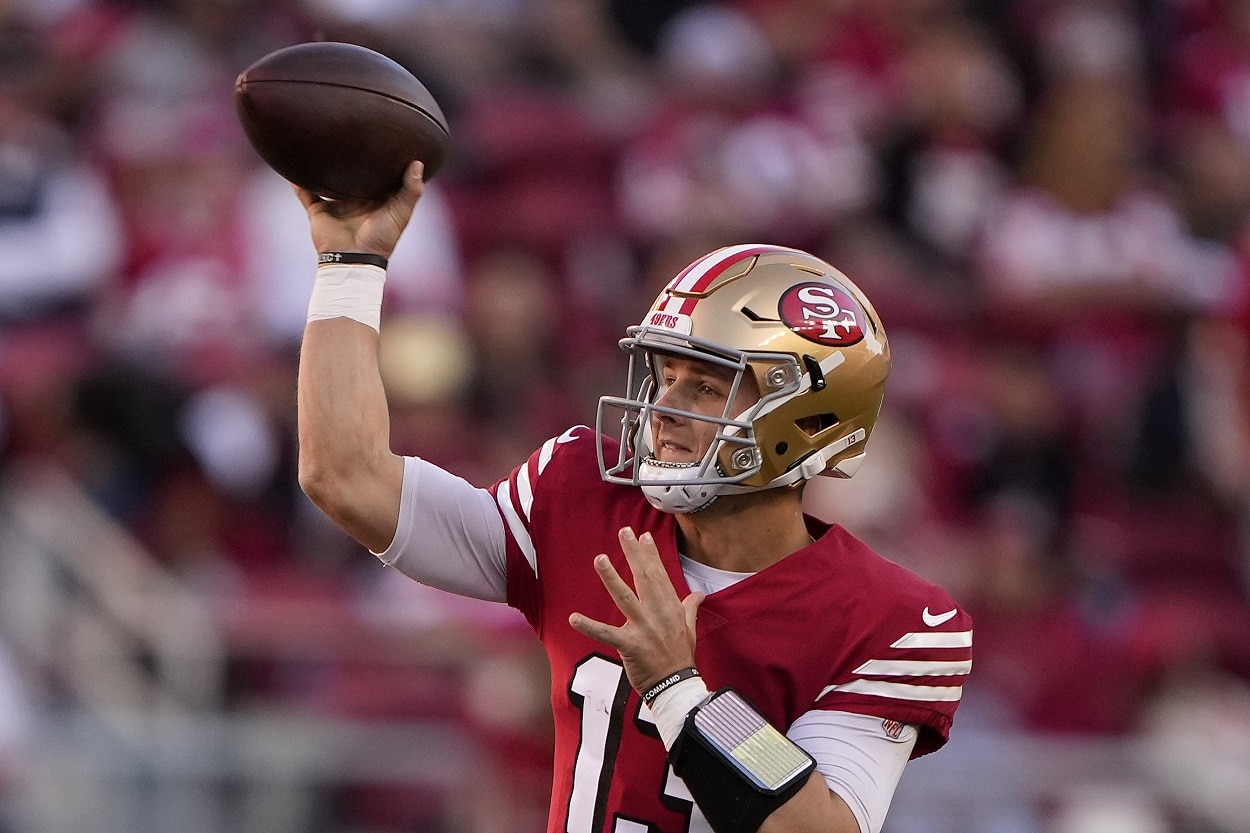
<point x="859" y="761"/>
<point x="450" y="535"/>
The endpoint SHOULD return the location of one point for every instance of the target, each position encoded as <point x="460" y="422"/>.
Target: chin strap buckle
<point x="816" y="462"/>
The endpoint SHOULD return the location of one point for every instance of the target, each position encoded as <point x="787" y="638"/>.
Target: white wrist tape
<point x="670" y="707"/>
<point x="353" y="292"/>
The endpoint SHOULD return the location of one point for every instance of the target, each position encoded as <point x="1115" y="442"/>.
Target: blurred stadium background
<point x="1049" y="201"/>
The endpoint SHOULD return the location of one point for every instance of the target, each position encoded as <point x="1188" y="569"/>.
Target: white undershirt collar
<point x="708" y="580"/>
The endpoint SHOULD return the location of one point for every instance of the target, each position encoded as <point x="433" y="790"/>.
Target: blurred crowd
<point x="1048" y="201"/>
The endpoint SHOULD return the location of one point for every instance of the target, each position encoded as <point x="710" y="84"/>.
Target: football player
<point x="719" y="660"/>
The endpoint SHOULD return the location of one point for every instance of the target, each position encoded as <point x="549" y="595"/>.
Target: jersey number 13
<point x="599" y="680"/>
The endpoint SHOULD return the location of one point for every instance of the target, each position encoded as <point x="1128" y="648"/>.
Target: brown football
<point x="341" y="120"/>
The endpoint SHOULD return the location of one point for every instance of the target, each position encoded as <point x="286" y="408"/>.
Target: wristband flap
<point x="729" y="727"/>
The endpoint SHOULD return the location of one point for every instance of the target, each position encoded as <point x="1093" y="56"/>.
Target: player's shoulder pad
<point x="924" y="603"/>
<point x="567" y="449"/>
<point x="894" y="597"/>
<point x="552" y="474"/>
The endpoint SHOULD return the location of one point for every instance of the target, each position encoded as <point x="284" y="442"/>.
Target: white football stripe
<point x="523" y="491"/>
<point x="898" y="691"/>
<point x="935" y="639"/>
<point x="544" y="454"/>
<point x="914" y="668"/>
<point x="519" y="533"/>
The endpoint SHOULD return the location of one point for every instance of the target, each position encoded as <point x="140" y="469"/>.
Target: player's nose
<point x="670" y="397"/>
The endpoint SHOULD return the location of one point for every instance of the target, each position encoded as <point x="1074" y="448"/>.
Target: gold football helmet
<point x="802" y="329"/>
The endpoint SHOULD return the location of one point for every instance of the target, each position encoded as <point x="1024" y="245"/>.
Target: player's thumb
<point x="383" y="232"/>
<point x="690" y="605"/>
<point x="413" y="186"/>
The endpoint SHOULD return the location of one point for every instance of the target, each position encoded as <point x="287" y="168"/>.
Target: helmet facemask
<point x="732" y="457"/>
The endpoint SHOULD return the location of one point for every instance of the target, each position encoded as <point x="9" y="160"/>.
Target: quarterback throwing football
<point x="719" y="660"/>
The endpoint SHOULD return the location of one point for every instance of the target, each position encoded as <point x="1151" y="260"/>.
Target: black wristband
<point x="668" y="682"/>
<point x="351" y="258"/>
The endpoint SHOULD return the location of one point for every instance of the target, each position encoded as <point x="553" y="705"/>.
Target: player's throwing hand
<point x="658" y="636"/>
<point x="360" y="226"/>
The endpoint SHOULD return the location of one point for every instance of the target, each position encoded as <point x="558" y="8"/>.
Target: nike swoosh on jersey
<point x="568" y="436"/>
<point x="935" y="619"/>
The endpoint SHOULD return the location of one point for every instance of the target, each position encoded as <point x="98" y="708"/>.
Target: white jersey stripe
<point x="519" y="533"/>
<point x="524" y="493"/>
<point x="898" y="691"/>
<point x="626" y="826"/>
<point x="544" y="454"/>
<point x="914" y="668"/>
<point x="935" y="639"/>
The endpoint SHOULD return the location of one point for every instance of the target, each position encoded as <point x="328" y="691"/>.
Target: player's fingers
<point x="595" y="629"/>
<point x="620" y="591"/>
<point x="650" y="578"/>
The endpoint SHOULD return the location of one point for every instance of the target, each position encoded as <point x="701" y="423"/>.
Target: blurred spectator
<point x="726" y="154"/>
<point x="1024" y="461"/>
<point x="1109" y="810"/>
<point x="1041" y="627"/>
<point x="16" y="731"/>
<point x="1089" y="231"/>
<point x="943" y="163"/>
<point x="60" y="236"/>
<point x="1195" y="736"/>
<point x="516" y="321"/>
<point x="128" y="440"/>
<point x="1212" y="173"/>
<point x="572" y="45"/>
<point x="181" y="302"/>
<point x="428" y="366"/>
<point x="174" y="51"/>
<point x="1088" y="256"/>
<point x="537" y="173"/>
<point x="40" y="367"/>
<point x="1090" y="39"/>
<point x="1209" y="67"/>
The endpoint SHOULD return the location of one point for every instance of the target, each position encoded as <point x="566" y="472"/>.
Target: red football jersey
<point x="832" y="626"/>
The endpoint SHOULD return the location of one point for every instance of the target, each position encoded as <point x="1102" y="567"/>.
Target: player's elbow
<point x="320" y="484"/>
<point x="334" y="496"/>
<point x="328" y="486"/>
<point x="361" y="498"/>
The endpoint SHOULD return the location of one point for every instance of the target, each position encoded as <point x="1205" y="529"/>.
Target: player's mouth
<point x="672" y="452"/>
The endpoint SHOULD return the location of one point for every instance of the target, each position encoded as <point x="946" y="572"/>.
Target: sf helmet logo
<point x="822" y="313"/>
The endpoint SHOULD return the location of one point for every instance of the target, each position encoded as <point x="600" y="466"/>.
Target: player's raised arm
<point x="346" y="465"/>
